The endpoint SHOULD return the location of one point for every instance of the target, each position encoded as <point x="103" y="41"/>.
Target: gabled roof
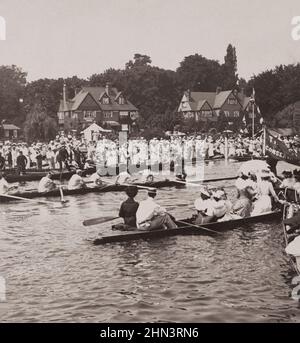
<point x="215" y="100"/>
<point x="244" y="100"/>
<point x="97" y="93"/>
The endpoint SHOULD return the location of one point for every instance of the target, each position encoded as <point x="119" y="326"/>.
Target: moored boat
<point x="189" y="229"/>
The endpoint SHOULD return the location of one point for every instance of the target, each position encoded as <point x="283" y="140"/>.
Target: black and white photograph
<point x="149" y="163"/>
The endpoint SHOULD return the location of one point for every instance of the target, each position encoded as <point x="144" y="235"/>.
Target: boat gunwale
<point x="188" y="230"/>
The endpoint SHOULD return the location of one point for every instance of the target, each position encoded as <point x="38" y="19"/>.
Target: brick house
<point x="210" y="106"/>
<point x="105" y="106"/>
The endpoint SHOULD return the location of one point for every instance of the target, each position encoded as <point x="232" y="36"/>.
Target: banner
<point x="277" y="149"/>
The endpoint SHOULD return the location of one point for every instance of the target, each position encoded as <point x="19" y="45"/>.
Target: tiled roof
<point x="216" y="101"/>
<point x="97" y="93"/>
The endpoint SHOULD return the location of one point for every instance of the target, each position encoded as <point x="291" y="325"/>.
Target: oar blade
<point x="96" y="221"/>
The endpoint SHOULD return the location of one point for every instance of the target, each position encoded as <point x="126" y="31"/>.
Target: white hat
<point x="205" y="192"/>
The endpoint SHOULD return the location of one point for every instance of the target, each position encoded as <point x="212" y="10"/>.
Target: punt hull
<point x="188" y="230"/>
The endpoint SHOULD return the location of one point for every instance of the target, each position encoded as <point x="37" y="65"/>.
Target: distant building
<point x="209" y="106"/>
<point x="9" y="131"/>
<point x="105" y="106"/>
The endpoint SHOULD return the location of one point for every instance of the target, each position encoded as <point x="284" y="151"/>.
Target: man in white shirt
<point x="47" y="184"/>
<point x="76" y="181"/>
<point x="96" y="179"/>
<point x="151" y="216"/>
<point x="4" y="187"/>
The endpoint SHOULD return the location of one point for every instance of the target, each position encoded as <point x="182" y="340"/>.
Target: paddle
<point x="99" y="220"/>
<point x="199" y="227"/>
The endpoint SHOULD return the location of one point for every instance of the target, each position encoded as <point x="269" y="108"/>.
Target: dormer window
<point x="105" y="100"/>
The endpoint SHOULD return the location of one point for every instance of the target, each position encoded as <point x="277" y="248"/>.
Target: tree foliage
<point x="39" y="125"/>
<point x="12" y="86"/>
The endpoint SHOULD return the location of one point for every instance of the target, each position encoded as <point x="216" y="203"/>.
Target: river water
<point x="53" y="272"/>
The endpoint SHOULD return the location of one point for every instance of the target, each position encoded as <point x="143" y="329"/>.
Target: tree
<point x="138" y="61"/>
<point x="230" y="68"/>
<point x="198" y="73"/>
<point x="275" y="89"/>
<point x="38" y="125"/>
<point x="12" y="86"/>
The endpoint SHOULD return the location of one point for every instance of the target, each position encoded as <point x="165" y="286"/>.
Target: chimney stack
<point x="107" y="88"/>
<point x="218" y="90"/>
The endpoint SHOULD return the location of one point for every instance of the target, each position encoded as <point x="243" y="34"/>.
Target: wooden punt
<point x="188" y="230"/>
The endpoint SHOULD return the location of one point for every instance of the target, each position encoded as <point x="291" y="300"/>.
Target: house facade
<point x="232" y="106"/>
<point x="105" y="106"/>
<point x="9" y="131"/>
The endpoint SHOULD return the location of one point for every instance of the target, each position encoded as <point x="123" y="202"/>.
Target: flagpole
<point x="253" y="120"/>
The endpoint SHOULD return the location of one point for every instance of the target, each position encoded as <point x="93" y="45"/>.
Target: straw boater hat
<point x="205" y="192"/>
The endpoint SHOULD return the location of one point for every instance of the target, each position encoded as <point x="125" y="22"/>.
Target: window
<point x="236" y="114"/>
<point x="105" y="100"/>
<point x="89" y="114"/>
<point x="107" y="115"/>
<point x="121" y="100"/>
<point x="123" y="113"/>
<point x="227" y="113"/>
<point x="74" y="115"/>
<point x="206" y="113"/>
<point x="232" y="101"/>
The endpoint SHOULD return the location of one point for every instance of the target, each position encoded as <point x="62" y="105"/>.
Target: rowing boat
<point x="101" y="189"/>
<point x="246" y="158"/>
<point x="37" y="175"/>
<point x="107" y="188"/>
<point x="188" y="230"/>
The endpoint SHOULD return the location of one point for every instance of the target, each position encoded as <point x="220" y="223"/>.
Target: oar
<point x="199" y="227"/>
<point x="62" y="199"/>
<point x="26" y="199"/>
<point x="99" y="220"/>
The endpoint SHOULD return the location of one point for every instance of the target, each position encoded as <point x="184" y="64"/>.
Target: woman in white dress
<point x="265" y="192"/>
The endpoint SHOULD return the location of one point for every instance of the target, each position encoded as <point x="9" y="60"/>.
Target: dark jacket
<point x="128" y="211"/>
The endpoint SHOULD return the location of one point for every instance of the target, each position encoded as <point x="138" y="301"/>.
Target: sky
<point x="62" y="38"/>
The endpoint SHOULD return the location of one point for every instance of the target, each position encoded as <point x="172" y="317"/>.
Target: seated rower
<point x="96" y="179"/>
<point x="123" y="177"/>
<point x="4" y="186"/>
<point x="128" y="210"/>
<point x="288" y="180"/>
<point x="204" y="207"/>
<point x="76" y="181"/>
<point x="151" y="216"/>
<point x="47" y="184"/>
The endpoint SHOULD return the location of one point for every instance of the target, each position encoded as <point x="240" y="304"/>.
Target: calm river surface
<point x="54" y="273"/>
